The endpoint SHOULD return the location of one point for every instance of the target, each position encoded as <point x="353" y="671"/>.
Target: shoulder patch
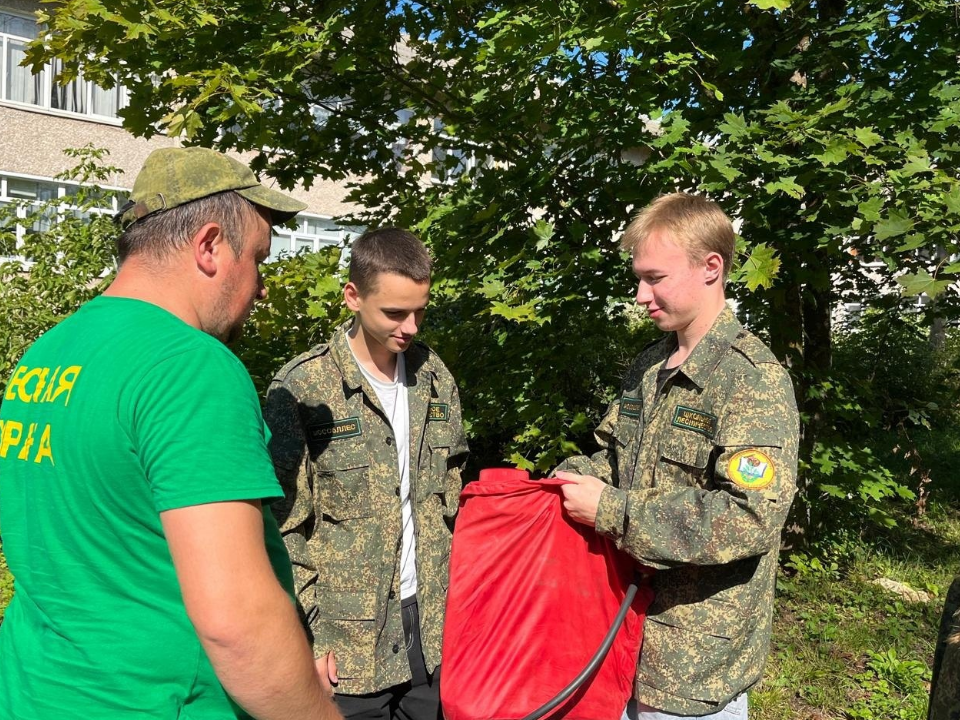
<point x="696" y="420"/>
<point x="336" y="430"/>
<point x="438" y="412"/>
<point x="751" y="469"/>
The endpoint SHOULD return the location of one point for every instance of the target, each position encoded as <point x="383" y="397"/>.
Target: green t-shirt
<point x="119" y="413"/>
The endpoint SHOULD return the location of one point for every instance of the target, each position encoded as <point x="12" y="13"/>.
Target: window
<point x="25" y="194"/>
<point x="450" y="159"/>
<point x="20" y="85"/>
<point x="312" y="233"/>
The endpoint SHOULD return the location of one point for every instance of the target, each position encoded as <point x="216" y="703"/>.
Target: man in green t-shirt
<point x="150" y="581"/>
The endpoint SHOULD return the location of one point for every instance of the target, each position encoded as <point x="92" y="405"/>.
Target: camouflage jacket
<point x="945" y="684"/>
<point x="702" y="473"/>
<point x="334" y="454"/>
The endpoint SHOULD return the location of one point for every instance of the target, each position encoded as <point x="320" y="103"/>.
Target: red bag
<point x="531" y="596"/>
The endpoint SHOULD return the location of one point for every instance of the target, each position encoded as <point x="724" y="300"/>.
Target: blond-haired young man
<point x="697" y="471"/>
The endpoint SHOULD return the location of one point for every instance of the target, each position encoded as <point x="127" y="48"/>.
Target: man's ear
<point x="351" y="296"/>
<point x="208" y="244"/>
<point x="713" y="268"/>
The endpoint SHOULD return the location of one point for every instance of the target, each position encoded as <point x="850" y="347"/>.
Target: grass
<point x="845" y="648"/>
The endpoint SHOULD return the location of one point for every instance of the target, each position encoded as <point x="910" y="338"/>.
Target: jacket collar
<point x="343" y="356"/>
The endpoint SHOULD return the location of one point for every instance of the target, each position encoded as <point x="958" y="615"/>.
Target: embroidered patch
<point x="751" y="469"/>
<point x="438" y="412"/>
<point x="338" y="429"/>
<point x="631" y="407"/>
<point x="696" y="420"/>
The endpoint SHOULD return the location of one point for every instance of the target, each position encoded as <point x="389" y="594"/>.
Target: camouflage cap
<point x="175" y="176"/>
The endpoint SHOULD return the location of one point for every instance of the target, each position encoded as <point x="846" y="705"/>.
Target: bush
<point x="887" y="393"/>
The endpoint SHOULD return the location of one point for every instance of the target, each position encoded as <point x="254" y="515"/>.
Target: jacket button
<point x="396" y="491"/>
<point x="392" y="594"/>
<point x="389" y="440"/>
<point x="396" y="648"/>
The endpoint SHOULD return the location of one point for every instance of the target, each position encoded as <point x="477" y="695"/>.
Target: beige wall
<point x="32" y="143"/>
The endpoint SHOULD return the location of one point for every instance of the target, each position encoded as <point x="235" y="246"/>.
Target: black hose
<point x="595" y="661"/>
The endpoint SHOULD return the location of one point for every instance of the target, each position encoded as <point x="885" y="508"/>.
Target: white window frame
<point x="47" y="83"/>
<point x="63" y="188"/>
<point x="468" y="157"/>
<point x="285" y="242"/>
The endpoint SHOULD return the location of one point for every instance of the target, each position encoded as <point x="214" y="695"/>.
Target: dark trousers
<point x="418" y="699"/>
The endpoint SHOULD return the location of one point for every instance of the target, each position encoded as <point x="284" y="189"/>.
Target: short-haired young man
<point x="150" y="580"/>
<point x="368" y="444"/>
<point x="698" y="469"/>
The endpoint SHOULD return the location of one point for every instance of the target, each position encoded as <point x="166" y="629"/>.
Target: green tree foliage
<point x="829" y="128"/>
<point x="68" y="252"/>
<point x="304" y="303"/>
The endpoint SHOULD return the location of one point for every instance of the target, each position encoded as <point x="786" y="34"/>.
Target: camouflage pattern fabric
<point x="702" y="473"/>
<point x="171" y="177"/>
<point x="333" y="450"/>
<point x="945" y="686"/>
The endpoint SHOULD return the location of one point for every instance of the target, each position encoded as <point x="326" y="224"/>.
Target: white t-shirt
<point x="393" y="400"/>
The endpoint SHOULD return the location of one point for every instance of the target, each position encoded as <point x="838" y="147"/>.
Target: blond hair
<point x="697" y="225"/>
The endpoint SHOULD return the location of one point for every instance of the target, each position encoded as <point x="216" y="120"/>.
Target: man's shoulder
<point x="753" y="371"/>
<point x="753" y="349"/>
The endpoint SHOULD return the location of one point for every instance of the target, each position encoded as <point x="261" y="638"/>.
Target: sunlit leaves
<point x="922" y="283"/>
<point x="760" y="268"/>
<point x="896" y="223"/>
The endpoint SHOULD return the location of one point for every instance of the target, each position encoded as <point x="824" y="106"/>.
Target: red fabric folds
<point x="531" y="596"/>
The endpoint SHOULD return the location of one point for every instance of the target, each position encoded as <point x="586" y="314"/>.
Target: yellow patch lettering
<point x="25" y="450"/>
<point x="15" y="382"/>
<point x="65" y="385"/>
<point x="12" y="432"/>
<point x="44" y="451"/>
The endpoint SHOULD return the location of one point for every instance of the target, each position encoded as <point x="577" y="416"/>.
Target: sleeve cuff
<point x="611" y="513"/>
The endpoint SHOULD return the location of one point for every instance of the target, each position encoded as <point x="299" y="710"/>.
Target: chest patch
<point x="696" y="420"/>
<point x="338" y="429"/>
<point x="631" y="407"/>
<point x="751" y="469"/>
<point x="438" y="412"/>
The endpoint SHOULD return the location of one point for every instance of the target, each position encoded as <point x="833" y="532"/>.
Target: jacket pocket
<point x="431" y="480"/>
<point x="346" y="622"/>
<point x="683" y="460"/>
<point x="344" y="492"/>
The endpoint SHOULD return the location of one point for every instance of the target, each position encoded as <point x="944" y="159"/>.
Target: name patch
<point x="696" y="420"/>
<point x="439" y="412"/>
<point x="631" y="407"/>
<point x="347" y="427"/>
